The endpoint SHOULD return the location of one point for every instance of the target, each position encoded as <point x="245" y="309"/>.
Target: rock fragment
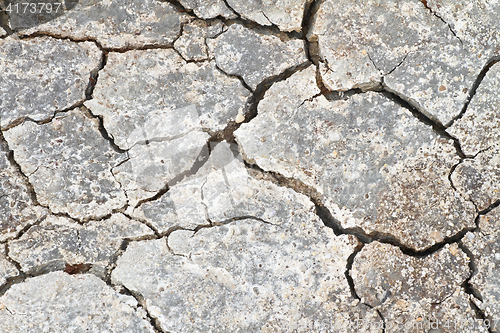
<point x="58" y="302"/>
<point x="192" y="44"/>
<point x="376" y="166"/>
<point x="415" y="294"/>
<point x="479" y="128"/>
<point x="43" y="75"/>
<point x="255" y="57"/>
<point x="58" y="242"/>
<point x="478" y="179"/>
<point x="17" y="209"/>
<point x="209" y="9"/>
<point x="285" y="14"/>
<point x="485" y="248"/>
<point x="2" y="32"/>
<point x="414" y="50"/>
<point x="69" y="164"/>
<point x="7" y="269"/>
<point x="155" y="94"/>
<point x="114" y="24"/>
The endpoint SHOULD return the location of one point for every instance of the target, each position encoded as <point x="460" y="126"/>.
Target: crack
<point x="466" y="285"/>
<point x="329" y="221"/>
<point x="104" y="132"/>
<point x="352" y="287"/>
<point x="395" y="67"/>
<point x="492" y="61"/>
<point x="4" y="23"/>
<point x="180" y="8"/>
<point x="469" y="289"/>
<point x="347" y="273"/>
<point x="239" y="218"/>
<point x="231" y="8"/>
<point x="147" y="224"/>
<point x="141" y="301"/>
<point x="264" y="86"/>
<point x="421" y="115"/>
<point x="490" y="208"/>
<point x="311" y="44"/>
<point x="424" y="2"/>
<point x="254" y="100"/>
<point x="239" y="77"/>
<point x="10" y="281"/>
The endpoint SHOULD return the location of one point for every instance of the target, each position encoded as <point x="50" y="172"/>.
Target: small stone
<point x="17" y="210"/>
<point x="7" y="269"/>
<point x="209" y="9"/>
<point x="69" y="163"/>
<point x="485" y="249"/>
<point x="58" y="302"/>
<point x="58" y="242"/>
<point x="114" y="24"/>
<point x="414" y="291"/>
<point x="154" y="94"/>
<point x="239" y="118"/>
<point x="479" y="128"/>
<point x="402" y="41"/>
<point x="255" y="57"/>
<point x="43" y="75"/>
<point x="2" y="32"/>
<point x="286" y="15"/>
<point x="376" y="166"/>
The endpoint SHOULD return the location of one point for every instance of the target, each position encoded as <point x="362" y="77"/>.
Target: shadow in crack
<point x="25" y="14"/>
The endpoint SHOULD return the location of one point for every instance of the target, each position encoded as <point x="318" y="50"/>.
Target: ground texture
<point x="250" y="166"/>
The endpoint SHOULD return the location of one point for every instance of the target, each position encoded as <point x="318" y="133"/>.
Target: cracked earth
<point x="250" y="166"/>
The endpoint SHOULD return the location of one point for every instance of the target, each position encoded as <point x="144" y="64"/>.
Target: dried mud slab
<point x="58" y="302"/>
<point x="209" y="9"/>
<point x="248" y="275"/>
<point x="114" y="24"/>
<point x="17" y="209"/>
<point x="43" y="75"/>
<point x="415" y="52"/>
<point x="58" y="242"/>
<point x="485" y="248"/>
<point x="478" y="179"/>
<point x="267" y="263"/>
<point x="287" y="15"/>
<point x="69" y="163"/>
<point x="155" y="94"/>
<point x="255" y="57"/>
<point x="416" y="294"/>
<point x="479" y="128"/>
<point x="375" y="165"/>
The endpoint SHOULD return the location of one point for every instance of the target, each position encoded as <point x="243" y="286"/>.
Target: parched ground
<point x="250" y="166"/>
